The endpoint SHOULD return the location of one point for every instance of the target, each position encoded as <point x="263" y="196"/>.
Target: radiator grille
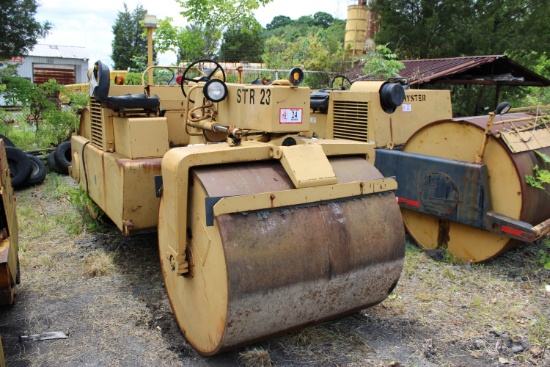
<point x="351" y="120"/>
<point x="97" y="128"/>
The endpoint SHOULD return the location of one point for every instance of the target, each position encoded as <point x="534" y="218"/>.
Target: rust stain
<point x="443" y="233"/>
<point x="149" y="164"/>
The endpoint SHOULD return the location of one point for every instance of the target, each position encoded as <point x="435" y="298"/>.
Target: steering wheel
<point x="172" y="78"/>
<point x="344" y="79"/>
<point x="203" y="78"/>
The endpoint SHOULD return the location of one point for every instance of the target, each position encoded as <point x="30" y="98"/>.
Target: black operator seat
<point x="318" y="100"/>
<point x="101" y="77"/>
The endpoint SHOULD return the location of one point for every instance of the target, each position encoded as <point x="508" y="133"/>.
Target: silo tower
<point x="361" y="26"/>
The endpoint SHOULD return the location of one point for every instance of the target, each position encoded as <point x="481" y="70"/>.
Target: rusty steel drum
<point x="259" y="274"/>
<point x="460" y="139"/>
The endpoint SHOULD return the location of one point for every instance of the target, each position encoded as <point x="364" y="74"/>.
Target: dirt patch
<point x="106" y="293"/>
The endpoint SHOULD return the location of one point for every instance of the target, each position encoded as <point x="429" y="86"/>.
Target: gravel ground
<point x="106" y="293"/>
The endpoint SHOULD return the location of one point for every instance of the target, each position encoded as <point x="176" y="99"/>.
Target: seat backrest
<point x="102" y="75"/>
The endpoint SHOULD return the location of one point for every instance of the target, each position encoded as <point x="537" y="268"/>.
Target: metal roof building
<point x="481" y="70"/>
<point x="489" y="70"/>
<point x="65" y="64"/>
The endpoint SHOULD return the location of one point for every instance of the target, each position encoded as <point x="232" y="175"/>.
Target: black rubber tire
<point x="7" y="141"/>
<point x="52" y="163"/>
<point x="63" y="156"/>
<point x="38" y="171"/>
<point x="20" y="166"/>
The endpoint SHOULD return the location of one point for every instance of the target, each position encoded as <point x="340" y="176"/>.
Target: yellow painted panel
<point x="307" y="166"/>
<point x="143" y="137"/>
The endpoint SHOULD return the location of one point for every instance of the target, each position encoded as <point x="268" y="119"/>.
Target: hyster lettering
<point x="415" y="98"/>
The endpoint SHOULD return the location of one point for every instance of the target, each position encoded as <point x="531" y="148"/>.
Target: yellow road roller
<point x="260" y="230"/>
<point x="9" y="246"/>
<point x="461" y="181"/>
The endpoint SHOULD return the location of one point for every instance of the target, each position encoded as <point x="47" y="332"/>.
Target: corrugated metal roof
<point x="65" y="52"/>
<point x="485" y="70"/>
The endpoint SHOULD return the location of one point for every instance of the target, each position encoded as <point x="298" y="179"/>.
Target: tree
<point x="130" y="39"/>
<point x="291" y="30"/>
<point x="278" y="22"/>
<point x="190" y="43"/>
<point x="19" y="30"/>
<point x="382" y="63"/>
<point x="315" y="43"/>
<point x="14" y="89"/>
<point x="242" y="43"/>
<point x="323" y="20"/>
<point x="218" y="15"/>
<point x="432" y="29"/>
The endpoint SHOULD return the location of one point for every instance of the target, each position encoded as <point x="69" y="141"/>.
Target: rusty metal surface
<point x="295" y="266"/>
<point x="483" y="69"/>
<point x="535" y="202"/>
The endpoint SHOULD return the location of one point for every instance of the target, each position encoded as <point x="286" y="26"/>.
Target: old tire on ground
<point x="38" y="171"/>
<point x="20" y="166"/>
<point x="257" y="274"/>
<point x="459" y="139"/>
<point x="7" y="141"/>
<point x="52" y="163"/>
<point x="63" y="157"/>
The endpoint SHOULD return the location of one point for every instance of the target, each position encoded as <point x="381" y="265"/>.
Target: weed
<point x="256" y="357"/>
<point x="538" y="180"/>
<point x="545" y="254"/>
<point x="73" y="224"/>
<point x="477" y="302"/>
<point x="540" y="176"/>
<point x="80" y="198"/>
<point x="94" y="214"/>
<point x="98" y="263"/>
<point x="424" y="297"/>
<point x="539" y="330"/>
<point x="46" y="261"/>
<point x="449" y="273"/>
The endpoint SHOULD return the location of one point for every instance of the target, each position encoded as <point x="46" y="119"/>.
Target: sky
<point x="89" y="23"/>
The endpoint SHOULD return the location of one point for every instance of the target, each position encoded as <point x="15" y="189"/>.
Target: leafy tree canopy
<point x="216" y="16"/>
<point x="320" y="20"/>
<point x="315" y="42"/>
<point x="19" y="30"/>
<point x="242" y="43"/>
<point x="278" y="22"/>
<point x="220" y="13"/>
<point x="190" y="43"/>
<point x="130" y="39"/>
<point x="432" y="29"/>
<point x="291" y="30"/>
<point x="382" y="63"/>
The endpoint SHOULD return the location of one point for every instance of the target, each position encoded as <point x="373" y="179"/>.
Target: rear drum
<point x="510" y="195"/>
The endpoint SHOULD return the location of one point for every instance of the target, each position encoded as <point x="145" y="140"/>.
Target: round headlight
<point x="296" y="76"/>
<point x="391" y="96"/>
<point x="215" y="90"/>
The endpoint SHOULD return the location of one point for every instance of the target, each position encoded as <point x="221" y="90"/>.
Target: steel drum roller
<point x="258" y="274"/>
<point x="459" y="139"/>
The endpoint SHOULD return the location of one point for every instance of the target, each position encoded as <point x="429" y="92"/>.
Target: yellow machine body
<point x="356" y="114"/>
<point x="260" y="230"/>
<point x="274" y="109"/>
<point x="9" y="248"/>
